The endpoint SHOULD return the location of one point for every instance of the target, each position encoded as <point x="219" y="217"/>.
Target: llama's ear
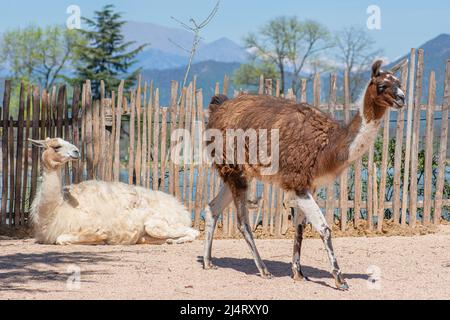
<point x="39" y="143"/>
<point x="376" y="68"/>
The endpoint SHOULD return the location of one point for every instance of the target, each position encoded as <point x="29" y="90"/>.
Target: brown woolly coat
<point x="312" y="145"/>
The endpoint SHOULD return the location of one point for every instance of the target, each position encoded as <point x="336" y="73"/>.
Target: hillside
<point x="208" y="73"/>
<point x="437" y="52"/>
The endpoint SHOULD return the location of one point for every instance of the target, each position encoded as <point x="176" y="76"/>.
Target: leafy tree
<point x="248" y="75"/>
<point x="39" y="55"/>
<point x="287" y="41"/>
<point x="106" y="56"/>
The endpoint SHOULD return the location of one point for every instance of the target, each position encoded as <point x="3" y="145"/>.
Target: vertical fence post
<point x="398" y="155"/>
<point x="415" y="143"/>
<point x="117" y="132"/>
<point x="35" y="150"/>
<point x="19" y="156"/>
<point x="412" y="72"/>
<point x="428" y="167"/>
<point x="131" y="162"/>
<point x="343" y="194"/>
<point x="442" y="147"/>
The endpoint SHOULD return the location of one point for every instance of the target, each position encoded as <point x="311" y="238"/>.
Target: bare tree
<point x="288" y="42"/>
<point x="194" y="27"/>
<point x="356" y="52"/>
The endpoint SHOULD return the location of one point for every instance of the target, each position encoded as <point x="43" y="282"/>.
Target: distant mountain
<point x="208" y="73"/>
<point x="223" y="50"/>
<point x="436" y="54"/>
<point x="165" y="46"/>
<point x="157" y="59"/>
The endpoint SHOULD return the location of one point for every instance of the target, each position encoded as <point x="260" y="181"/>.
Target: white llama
<point x="97" y="212"/>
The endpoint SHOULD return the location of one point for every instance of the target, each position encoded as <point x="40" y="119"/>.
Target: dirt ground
<point x="415" y="267"/>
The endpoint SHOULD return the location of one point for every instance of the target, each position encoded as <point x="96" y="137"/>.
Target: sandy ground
<point x="406" y="268"/>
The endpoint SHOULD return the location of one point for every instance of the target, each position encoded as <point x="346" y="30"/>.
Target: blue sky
<point x="404" y="24"/>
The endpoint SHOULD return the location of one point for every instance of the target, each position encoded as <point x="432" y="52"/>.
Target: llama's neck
<point x="363" y="129"/>
<point x="48" y="197"/>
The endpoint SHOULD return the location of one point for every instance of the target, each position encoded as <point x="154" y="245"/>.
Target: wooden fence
<point x="126" y="136"/>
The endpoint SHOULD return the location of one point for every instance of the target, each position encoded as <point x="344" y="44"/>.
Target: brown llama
<point x="313" y="150"/>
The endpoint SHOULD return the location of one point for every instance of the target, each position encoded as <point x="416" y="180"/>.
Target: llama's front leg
<point x="212" y="212"/>
<point x="299" y="224"/>
<point x="81" y="238"/>
<point x="314" y="215"/>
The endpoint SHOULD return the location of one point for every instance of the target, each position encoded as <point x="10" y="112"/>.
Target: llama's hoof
<point x="299" y="277"/>
<point x="209" y="266"/>
<point x="266" y="275"/>
<point x="343" y="286"/>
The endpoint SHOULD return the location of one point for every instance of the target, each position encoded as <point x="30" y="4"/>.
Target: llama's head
<point x="386" y="88"/>
<point x="57" y="152"/>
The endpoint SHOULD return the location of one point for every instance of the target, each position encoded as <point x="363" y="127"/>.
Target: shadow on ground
<point x="17" y="269"/>
<point x="279" y="269"/>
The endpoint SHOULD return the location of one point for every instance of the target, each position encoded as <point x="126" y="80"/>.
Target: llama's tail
<point x="216" y="102"/>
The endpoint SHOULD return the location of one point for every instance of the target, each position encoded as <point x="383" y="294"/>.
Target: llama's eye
<point x="57" y="148"/>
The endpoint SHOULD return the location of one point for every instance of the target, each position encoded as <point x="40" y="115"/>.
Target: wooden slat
<point x="67" y="135"/>
<point x="117" y="132"/>
<point x="96" y="138"/>
<point x="35" y="150"/>
<point x="177" y="166"/>
<point x="201" y="166"/>
<point x="261" y="85"/>
<point x="226" y="81"/>
<point x="428" y="168"/>
<point x="19" y="157"/>
<point x="75" y="131"/>
<point x="303" y="91"/>
<point x="163" y="148"/>
<point x="149" y="134"/>
<point x="370" y="187"/>
<point x="24" y="208"/>
<point x="53" y="112"/>
<point x="132" y="141"/>
<point x="173" y="121"/>
<point x="398" y="155"/>
<point x="187" y="126"/>
<point x="12" y="179"/>
<point x="343" y="193"/>
<point x="138" y="156"/>
<point x="440" y="182"/>
<point x="155" y="174"/>
<point x="102" y="139"/>
<point x="83" y="133"/>
<point x="88" y="132"/>
<point x="412" y="73"/>
<point x="375" y="196"/>
<point x="144" y="139"/>
<point x="415" y="142"/>
<point x="191" y="158"/>
<point x="113" y="136"/>
<point x="332" y="100"/>
<point x="384" y="170"/>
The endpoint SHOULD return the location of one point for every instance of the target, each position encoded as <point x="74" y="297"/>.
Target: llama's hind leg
<point x="314" y="215"/>
<point x="159" y="228"/>
<point x="81" y="238"/>
<point x="212" y="212"/>
<point x="239" y="188"/>
<point x="299" y="223"/>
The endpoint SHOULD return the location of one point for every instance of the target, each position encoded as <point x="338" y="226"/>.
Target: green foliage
<point x="248" y="75"/>
<point x="37" y="55"/>
<point x="106" y="56"/>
